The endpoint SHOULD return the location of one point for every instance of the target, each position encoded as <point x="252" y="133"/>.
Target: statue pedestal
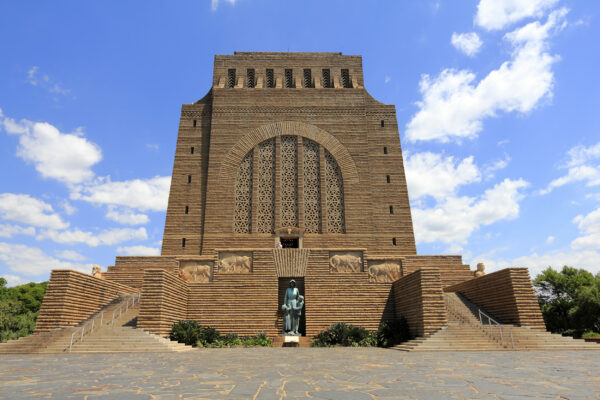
<point x="291" y="339"/>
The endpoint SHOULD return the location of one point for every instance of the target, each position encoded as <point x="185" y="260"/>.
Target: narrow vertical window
<point x="270" y="79"/>
<point x="250" y="77"/>
<point x="187" y="209"/>
<point x="289" y="78"/>
<point x="326" y="78"/>
<point x="231" y="78"/>
<point x="194" y="123"/>
<point x="307" y="78"/>
<point x="387" y="178"/>
<point x="183" y="242"/>
<point x="391" y="209"/>
<point x="346" y="79"/>
<point x="189" y="179"/>
<point x="382" y="123"/>
<point x="192" y="150"/>
<point x="385" y="150"/>
<point x="394" y="241"/>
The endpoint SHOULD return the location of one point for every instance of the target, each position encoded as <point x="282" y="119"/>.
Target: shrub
<point x="590" y="334"/>
<point x="208" y="335"/>
<point x="341" y="334"/>
<point x="392" y="332"/>
<point x="187" y="332"/>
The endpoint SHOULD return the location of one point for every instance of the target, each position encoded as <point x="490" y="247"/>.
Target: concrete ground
<point x="291" y="373"/>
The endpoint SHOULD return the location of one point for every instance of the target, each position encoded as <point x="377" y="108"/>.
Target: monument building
<point x="288" y="169"/>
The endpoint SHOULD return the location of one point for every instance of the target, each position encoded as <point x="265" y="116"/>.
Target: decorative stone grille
<point x="266" y="187"/>
<point x="243" y="196"/>
<point x="289" y="181"/>
<point x="335" y="196"/>
<point x="312" y="186"/>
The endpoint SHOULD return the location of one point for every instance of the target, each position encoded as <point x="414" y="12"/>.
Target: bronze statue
<point x="292" y="310"/>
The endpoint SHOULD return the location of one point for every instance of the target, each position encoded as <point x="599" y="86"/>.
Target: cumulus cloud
<point x="126" y="216"/>
<point x="66" y="157"/>
<point x="14" y="280"/>
<point x="589" y="226"/>
<point x="70" y="255"/>
<point x="8" y="231"/>
<point x="468" y="43"/>
<point x="32" y="261"/>
<point x="582" y="166"/>
<point x="27" y="210"/>
<point x="430" y="174"/>
<point x="454" y="105"/>
<point x="140" y="194"/>
<point x="498" y="14"/>
<point x="453" y="220"/>
<point x="138" y="251"/>
<point x="104" y="238"/>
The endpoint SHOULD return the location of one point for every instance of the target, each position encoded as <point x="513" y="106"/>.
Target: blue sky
<point x="497" y="105"/>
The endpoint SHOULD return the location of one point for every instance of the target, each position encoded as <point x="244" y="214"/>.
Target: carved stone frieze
<point x="196" y="271"/>
<point x="345" y="262"/>
<point x="384" y="271"/>
<point x="235" y="263"/>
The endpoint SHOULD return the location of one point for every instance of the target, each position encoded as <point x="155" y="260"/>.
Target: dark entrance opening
<point x="283" y="285"/>
<point x="290" y="242"/>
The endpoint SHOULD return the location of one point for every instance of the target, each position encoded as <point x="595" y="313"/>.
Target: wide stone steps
<point x="466" y="333"/>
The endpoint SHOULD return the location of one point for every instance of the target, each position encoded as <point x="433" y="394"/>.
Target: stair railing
<point x="81" y="331"/>
<point x="133" y="299"/>
<point x="493" y="328"/>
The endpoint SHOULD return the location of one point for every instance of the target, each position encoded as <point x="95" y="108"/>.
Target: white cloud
<point x="66" y="157"/>
<point x="138" y="251"/>
<point x="70" y="255"/>
<point x="454" y="105"/>
<point x="141" y="194"/>
<point x="581" y="166"/>
<point x="468" y="43"/>
<point x="550" y="240"/>
<point x="453" y="220"/>
<point x="13" y="280"/>
<point x="387" y="79"/>
<point x="589" y="225"/>
<point x="27" y="210"/>
<point x="104" y="238"/>
<point x="152" y="146"/>
<point x="126" y="216"/>
<point x="8" y="231"/>
<point x="68" y="207"/>
<point x="44" y="81"/>
<point x="215" y="3"/>
<point x="498" y="14"/>
<point x="32" y="261"/>
<point x="430" y="174"/>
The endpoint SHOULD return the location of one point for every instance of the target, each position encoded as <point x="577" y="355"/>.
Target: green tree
<point x="569" y="300"/>
<point x="19" y="308"/>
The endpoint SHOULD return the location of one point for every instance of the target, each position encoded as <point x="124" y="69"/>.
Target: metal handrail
<point x="488" y="328"/>
<point x="133" y="298"/>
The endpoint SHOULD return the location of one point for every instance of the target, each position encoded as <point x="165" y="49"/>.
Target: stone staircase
<point x="465" y="332"/>
<point x="120" y="337"/>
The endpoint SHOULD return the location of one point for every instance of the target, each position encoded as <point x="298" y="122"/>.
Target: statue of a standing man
<point x="292" y="310"/>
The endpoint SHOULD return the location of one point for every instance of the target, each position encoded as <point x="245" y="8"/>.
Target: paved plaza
<point x="275" y="373"/>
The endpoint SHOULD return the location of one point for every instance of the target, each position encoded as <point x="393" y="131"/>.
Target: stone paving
<point x="292" y="373"/>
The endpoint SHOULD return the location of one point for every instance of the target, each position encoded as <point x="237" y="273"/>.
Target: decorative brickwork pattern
<point x="289" y="181"/>
<point x="243" y="196"/>
<point x="312" y="186"/>
<point x="266" y="187"/>
<point x="335" y="196"/>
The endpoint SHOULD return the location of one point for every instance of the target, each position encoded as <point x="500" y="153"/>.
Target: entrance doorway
<point x="290" y="242"/>
<point x="283" y="285"/>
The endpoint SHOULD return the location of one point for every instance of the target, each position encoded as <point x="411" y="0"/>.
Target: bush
<point x="590" y="334"/>
<point x="392" y="332"/>
<point x="193" y="334"/>
<point x="187" y="332"/>
<point x="209" y="335"/>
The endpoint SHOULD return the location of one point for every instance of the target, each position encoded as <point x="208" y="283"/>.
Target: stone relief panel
<point x="239" y="262"/>
<point x="345" y="261"/>
<point x="196" y="271"/>
<point x="266" y="187"/>
<point x="243" y="196"/>
<point x="312" y="186"/>
<point x="384" y="271"/>
<point x="335" y="196"/>
<point x="289" y="181"/>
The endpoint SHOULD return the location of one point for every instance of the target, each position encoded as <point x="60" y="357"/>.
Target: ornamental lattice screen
<point x="263" y="158"/>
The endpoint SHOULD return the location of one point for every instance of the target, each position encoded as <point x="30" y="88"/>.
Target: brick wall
<point x="72" y="297"/>
<point x="507" y="294"/>
<point x="420" y="299"/>
<point x="163" y="302"/>
<point x="451" y="268"/>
